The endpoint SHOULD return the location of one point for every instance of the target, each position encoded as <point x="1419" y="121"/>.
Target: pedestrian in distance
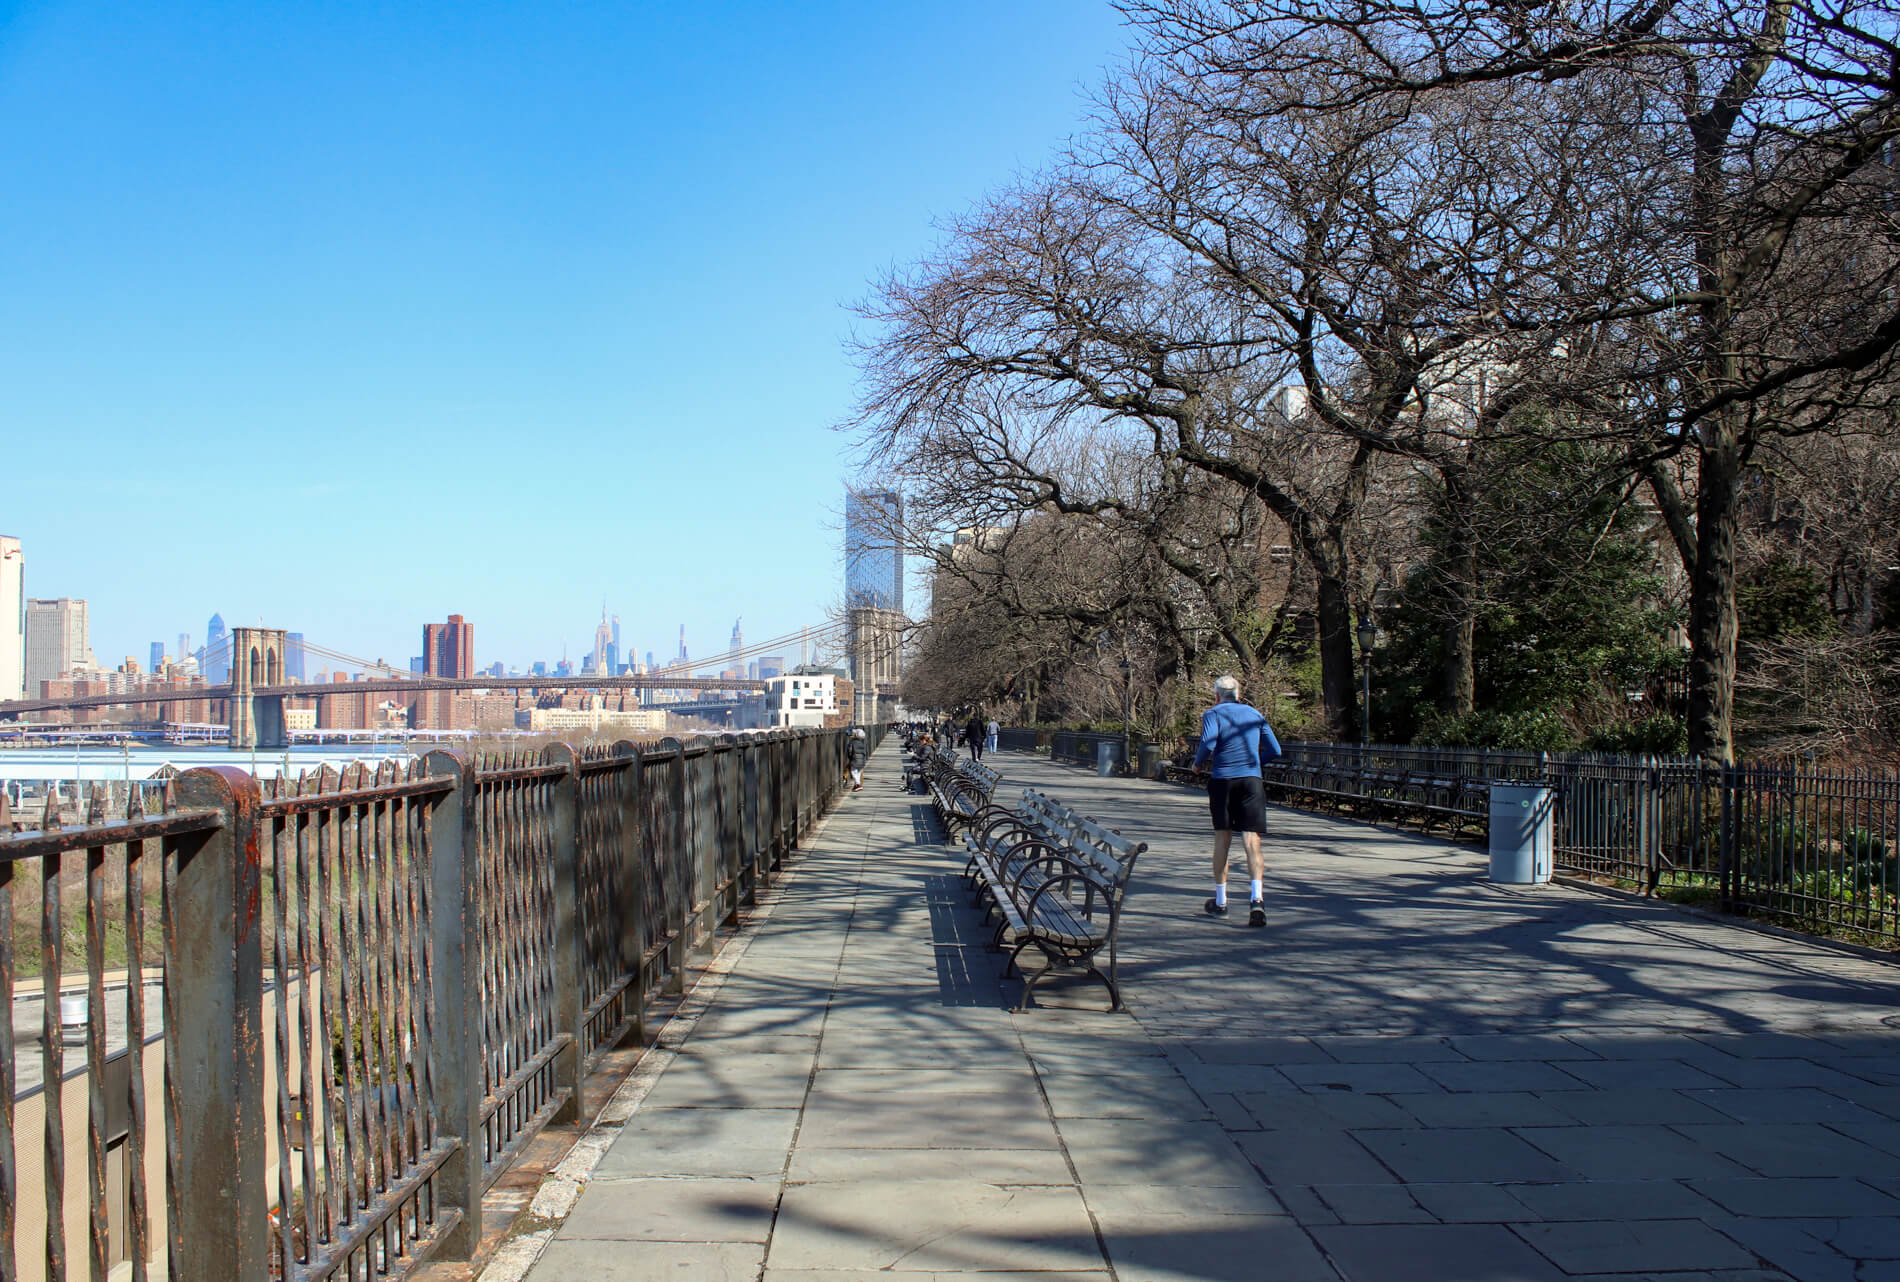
<point x="855" y="750"/>
<point x="990" y="732"/>
<point x="973" y="736"/>
<point x="1235" y="741"/>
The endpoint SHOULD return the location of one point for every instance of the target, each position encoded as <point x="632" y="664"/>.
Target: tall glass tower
<point x="873" y="556"/>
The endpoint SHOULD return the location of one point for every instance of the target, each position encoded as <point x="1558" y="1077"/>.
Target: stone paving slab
<point x="1410" y="1075"/>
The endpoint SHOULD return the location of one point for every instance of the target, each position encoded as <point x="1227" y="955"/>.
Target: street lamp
<point x="1128" y="713"/>
<point x="1368" y="633"/>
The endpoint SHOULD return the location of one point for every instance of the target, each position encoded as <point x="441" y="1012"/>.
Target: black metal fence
<point x="376" y="988"/>
<point x="1816" y="848"/>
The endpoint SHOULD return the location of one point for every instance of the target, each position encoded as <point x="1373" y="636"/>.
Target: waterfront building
<point x="808" y="697"/>
<point x="873" y="554"/>
<point x="448" y="649"/>
<point x="590" y="713"/>
<point x="57" y="640"/>
<point x="12" y="619"/>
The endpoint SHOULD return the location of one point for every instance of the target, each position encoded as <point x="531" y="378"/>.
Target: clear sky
<point x="343" y="317"/>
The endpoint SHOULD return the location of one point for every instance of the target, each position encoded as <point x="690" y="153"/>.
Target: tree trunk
<point x="1457" y="686"/>
<point x="1337" y="693"/>
<point x="1712" y="617"/>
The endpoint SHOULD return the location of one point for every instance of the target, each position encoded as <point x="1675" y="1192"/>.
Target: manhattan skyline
<point x="347" y="320"/>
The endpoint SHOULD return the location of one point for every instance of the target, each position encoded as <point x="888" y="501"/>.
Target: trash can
<point x="1521" y="831"/>
<point x="1150" y="761"/>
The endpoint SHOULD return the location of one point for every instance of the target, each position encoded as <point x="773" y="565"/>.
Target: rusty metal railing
<point x="377" y="988"/>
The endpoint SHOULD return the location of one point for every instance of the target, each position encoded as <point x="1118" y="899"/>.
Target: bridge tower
<point x="257" y="659"/>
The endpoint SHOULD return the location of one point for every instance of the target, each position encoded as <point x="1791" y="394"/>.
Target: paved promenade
<point x="1411" y="1074"/>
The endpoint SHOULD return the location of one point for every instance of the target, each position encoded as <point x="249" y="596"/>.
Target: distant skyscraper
<point x="183" y="651"/>
<point x="873" y="556"/>
<point x="538" y="668"/>
<point x="217" y="659"/>
<point x="738" y="635"/>
<point x="56" y="639"/>
<point x="448" y="649"/>
<point x="158" y="655"/>
<point x="617" y="649"/>
<point x="682" y="654"/>
<point x="12" y="619"/>
<point x="650" y="664"/>
<point x="601" y="659"/>
<point x="771" y="665"/>
<point x="294" y="656"/>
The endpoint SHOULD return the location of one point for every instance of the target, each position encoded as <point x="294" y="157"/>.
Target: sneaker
<point x="857" y="787"/>
<point x="1256" y="913"/>
<point x="1215" y="910"/>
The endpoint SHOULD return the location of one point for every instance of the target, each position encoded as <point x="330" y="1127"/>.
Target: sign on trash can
<point x="1521" y="832"/>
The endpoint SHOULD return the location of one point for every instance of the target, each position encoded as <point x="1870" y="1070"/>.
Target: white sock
<point x="1220" y="895"/>
<point x="1256" y="890"/>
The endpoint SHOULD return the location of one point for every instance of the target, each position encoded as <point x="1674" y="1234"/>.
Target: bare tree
<point x="1753" y="292"/>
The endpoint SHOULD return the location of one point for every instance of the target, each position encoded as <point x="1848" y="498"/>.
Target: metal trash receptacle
<point x="1521" y="831"/>
<point x="1105" y="758"/>
<point x="1150" y="761"/>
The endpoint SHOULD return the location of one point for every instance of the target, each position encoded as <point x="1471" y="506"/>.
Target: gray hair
<point x="1226" y="689"/>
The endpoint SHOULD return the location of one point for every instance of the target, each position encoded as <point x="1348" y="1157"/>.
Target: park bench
<point x="1055" y="880"/>
<point x="959" y="788"/>
<point x="1379" y="793"/>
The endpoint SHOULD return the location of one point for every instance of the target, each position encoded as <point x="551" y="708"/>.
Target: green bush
<point x="1657" y="735"/>
<point x="1533" y="730"/>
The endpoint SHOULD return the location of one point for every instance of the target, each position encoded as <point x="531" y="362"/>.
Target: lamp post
<point x="1128" y="714"/>
<point x="1368" y="633"/>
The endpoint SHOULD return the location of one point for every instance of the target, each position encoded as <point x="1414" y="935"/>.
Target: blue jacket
<point x="1235" y="738"/>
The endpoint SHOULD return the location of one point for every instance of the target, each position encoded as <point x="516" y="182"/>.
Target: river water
<point x="142" y="761"/>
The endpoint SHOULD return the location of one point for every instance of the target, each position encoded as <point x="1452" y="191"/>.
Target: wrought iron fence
<point x="1817" y="849"/>
<point x="376" y="988"/>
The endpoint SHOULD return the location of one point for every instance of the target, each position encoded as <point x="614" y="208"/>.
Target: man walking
<point x="1235" y="739"/>
<point x="973" y="736"/>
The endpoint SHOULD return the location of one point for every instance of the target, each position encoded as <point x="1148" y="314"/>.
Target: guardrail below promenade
<point x="377" y="987"/>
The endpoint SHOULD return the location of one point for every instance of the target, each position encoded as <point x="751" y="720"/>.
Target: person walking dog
<point x="854" y="753"/>
<point x="1235" y="740"/>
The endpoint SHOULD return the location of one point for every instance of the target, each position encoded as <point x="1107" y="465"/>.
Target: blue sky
<point x="345" y="316"/>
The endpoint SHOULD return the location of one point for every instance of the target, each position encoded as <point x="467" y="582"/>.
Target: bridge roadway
<point x="383" y="685"/>
<point x="1412" y="1075"/>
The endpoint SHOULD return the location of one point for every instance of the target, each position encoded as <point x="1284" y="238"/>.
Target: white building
<point x="12" y="619"/>
<point x="57" y="640"/>
<point x="801" y="699"/>
<point x="593" y="717"/>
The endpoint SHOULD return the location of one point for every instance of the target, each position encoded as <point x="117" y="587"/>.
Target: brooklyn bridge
<point x="254" y="705"/>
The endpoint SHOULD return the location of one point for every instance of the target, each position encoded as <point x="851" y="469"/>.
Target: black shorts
<point x="1238" y="804"/>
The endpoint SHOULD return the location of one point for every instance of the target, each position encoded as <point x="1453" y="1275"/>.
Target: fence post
<point x="455" y="995"/>
<point x="750" y="822"/>
<point x="633" y="896"/>
<point x="218" y="1215"/>
<point x="564" y="868"/>
<point x="677" y="869"/>
<point x="1730" y="864"/>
